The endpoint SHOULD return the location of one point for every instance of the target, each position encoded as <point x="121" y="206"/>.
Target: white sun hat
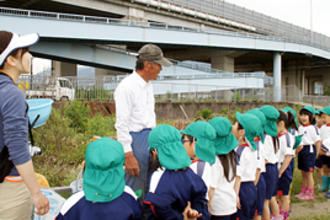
<point x="17" y="42"/>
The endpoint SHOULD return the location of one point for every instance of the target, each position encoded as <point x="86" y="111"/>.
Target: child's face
<point x="325" y="118"/>
<point x="238" y="133"/>
<point x="304" y="119"/>
<point x="319" y="120"/>
<point x="189" y="146"/>
<point x="281" y="127"/>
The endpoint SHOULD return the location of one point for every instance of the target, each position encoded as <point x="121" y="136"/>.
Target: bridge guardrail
<point x="114" y="21"/>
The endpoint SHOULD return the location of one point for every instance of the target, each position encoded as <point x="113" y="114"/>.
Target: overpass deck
<point x="105" y="30"/>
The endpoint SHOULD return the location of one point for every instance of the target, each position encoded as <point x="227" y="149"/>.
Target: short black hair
<point x="310" y="115"/>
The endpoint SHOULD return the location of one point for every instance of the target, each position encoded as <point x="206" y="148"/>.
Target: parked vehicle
<point x="56" y="88"/>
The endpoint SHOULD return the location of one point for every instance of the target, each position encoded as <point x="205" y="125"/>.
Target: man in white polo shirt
<point x="135" y="114"/>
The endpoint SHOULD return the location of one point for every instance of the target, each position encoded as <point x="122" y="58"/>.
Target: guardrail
<point x="156" y="25"/>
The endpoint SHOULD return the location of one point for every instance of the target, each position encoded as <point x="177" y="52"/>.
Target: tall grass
<point x="64" y="140"/>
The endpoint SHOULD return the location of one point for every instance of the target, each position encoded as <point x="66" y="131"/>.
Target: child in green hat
<point x="292" y="118"/>
<point x="325" y="152"/>
<point x="308" y="151"/>
<point x="325" y="135"/>
<point x="271" y="149"/>
<point x="104" y="192"/>
<point x="222" y="196"/>
<point x="204" y="134"/>
<point x="261" y="167"/>
<point x="319" y="160"/>
<point x="286" y="161"/>
<point x="198" y="139"/>
<point x="173" y="185"/>
<point x="245" y="129"/>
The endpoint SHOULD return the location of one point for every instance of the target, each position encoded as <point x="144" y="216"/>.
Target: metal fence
<point x="102" y="88"/>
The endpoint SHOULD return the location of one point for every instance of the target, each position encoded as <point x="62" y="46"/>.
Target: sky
<point x="294" y="11"/>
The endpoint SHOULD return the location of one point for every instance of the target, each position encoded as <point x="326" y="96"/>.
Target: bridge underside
<point x="300" y="69"/>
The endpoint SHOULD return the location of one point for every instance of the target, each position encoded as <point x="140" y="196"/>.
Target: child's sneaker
<point x="309" y="195"/>
<point x="277" y="217"/>
<point x="302" y="192"/>
<point x="284" y="214"/>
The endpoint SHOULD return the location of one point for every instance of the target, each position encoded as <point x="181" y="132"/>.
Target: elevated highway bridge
<point x="232" y="39"/>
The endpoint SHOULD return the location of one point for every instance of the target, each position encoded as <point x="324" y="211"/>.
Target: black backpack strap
<point x="30" y="132"/>
<point x="31" y="124"/>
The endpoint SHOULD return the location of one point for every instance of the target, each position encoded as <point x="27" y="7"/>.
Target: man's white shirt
<point x="135" y="108"/>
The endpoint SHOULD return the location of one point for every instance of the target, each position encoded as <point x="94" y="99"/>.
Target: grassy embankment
<point x="70" y="128"/>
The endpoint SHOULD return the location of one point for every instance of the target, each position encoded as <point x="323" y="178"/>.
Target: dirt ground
<point x="303" y="209"/>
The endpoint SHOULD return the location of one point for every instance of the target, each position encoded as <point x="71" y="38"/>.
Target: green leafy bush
<point x="78" y="113"/>
<point x="64" y="139"/>
<point x="102" y="126"/>
<point x="237" y="109"/>
<point x="224" y="111"/>
<point x="204" y="114"/>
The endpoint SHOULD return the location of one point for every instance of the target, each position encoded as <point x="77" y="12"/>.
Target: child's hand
<point x="299" y="149"/>
<point x="280" y="174"/>
<point x="322" y="152"/>
<point x="190" y="214"/>
<point x="238" y="203"/>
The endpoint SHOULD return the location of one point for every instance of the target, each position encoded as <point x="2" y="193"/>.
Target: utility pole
<point x="311" y="20"/>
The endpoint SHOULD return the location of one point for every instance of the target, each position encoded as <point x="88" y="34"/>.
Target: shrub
<point x="204" y="114"/>
<point x="78" y="114"/>
<point x="224" y="111"/>
<point x="102" y="126"/>
<point x="64" y="142"/>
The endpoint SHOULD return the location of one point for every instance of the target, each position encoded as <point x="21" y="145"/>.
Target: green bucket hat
<point x="326" y="110"/>
<point x="104" y="176"/>
<point x="293" y="112"/>
<point x="166" y="139"/>
<point x="309" y="108"/>
<point x="298" y="140"/>
<point x="256" y="112"/>
<point x="205" y="134"/>
<point x="225" y="141"/>
<point x="271" y="115"/>
<point x="251" y="125"/>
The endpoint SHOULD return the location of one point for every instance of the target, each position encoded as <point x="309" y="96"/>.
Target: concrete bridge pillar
<point x="224" y="63"/>
<point x="277" y="72"/>
<point x="63" y="69"/>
